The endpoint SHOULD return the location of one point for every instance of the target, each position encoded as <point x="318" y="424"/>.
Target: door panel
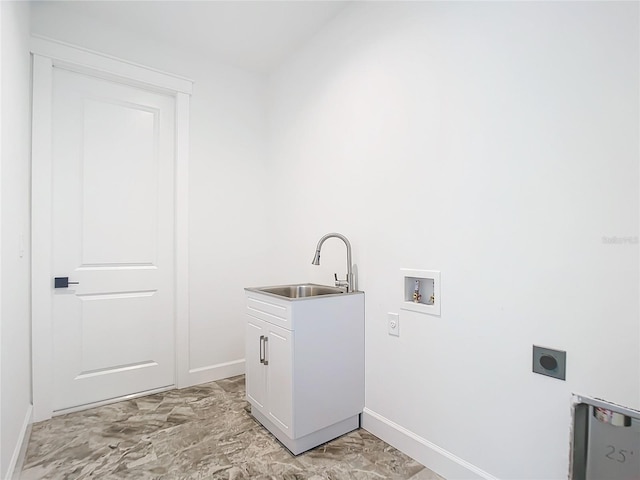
<point x="104" y="317"/>
<point x="113" y="232"/>
<point x="280" y="357"/>
<point x="255" y="371"/>
<point x="119" y="166"/>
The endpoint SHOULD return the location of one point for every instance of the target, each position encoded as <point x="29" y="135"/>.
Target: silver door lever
<point x="63" y="282"/>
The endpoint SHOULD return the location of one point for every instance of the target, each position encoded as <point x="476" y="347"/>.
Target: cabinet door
<point x="279" y="377"/>
<point x="255" y="371"/>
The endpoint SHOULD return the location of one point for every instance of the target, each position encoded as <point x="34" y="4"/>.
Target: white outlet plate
<point x="393" y="322"/>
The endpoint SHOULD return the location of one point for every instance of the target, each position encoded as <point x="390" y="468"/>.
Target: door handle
<point x="63" y="282"/>
<point x="266" y="362"/>
<point x="261" y="348"/>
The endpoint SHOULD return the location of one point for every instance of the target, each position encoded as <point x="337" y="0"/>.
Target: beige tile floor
<point x="202" y="432"/>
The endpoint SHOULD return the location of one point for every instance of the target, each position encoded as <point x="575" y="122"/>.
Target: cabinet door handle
<point x="266" y="362"/>
<point x="261" y="348"/>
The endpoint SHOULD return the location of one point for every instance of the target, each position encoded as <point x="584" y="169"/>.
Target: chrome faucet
<point x="349" y="282"/>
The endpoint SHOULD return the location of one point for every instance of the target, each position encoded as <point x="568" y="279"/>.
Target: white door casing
<point x="102" y="270"/>
<point x="112" y="204"/>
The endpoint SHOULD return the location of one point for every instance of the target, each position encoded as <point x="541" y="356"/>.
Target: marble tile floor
<point x="199" y="433"/>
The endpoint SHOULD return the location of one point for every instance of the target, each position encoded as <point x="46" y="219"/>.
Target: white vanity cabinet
<point x="305" y="365"/>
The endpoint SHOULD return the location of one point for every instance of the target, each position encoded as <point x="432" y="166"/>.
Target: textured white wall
<point x="15" y="393"/>
<point x="227" y="186"/>
<point x="498" y="143"/>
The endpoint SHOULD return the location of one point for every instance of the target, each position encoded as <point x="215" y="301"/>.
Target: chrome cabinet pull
<point x="266" y="362"/>
<point x="262" y="339"/>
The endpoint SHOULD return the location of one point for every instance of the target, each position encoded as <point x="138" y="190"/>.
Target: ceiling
<point x="253" y="35"/>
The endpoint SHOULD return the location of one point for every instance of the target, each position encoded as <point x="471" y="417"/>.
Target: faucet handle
<point x="341" y="283"/>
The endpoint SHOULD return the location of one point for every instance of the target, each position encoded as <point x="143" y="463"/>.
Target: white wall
<point x="227" y="184"/>
<point x="15" y="375"/>
<point x="497" y="143"/>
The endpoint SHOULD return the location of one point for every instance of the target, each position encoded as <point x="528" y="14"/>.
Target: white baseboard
<point x="211" y="373"/>
<point x="435" y="458"/>
<point x="20" y="450"/>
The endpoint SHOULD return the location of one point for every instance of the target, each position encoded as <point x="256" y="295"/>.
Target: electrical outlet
<point x="393" y="322"/>
<point x="550" y="362"/>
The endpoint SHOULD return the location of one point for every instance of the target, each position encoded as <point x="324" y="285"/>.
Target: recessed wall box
<point x="421" y="291"/>
<point x="550" y="362"/>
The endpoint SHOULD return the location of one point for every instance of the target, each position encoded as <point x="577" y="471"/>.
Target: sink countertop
<point x="265" y="291"/>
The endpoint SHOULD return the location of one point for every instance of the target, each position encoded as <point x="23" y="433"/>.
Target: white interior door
<point x="113" y="233"/>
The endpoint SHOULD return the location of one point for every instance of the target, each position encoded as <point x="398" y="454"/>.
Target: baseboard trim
<point x="211" y="373"/>
<point x="20" y="451"/>
<point x="432" y="456"/>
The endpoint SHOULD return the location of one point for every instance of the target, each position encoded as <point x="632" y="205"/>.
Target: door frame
<point x="47" y="54"/>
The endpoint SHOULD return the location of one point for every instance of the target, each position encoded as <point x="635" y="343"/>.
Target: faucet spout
<point x="350" y="281"/>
